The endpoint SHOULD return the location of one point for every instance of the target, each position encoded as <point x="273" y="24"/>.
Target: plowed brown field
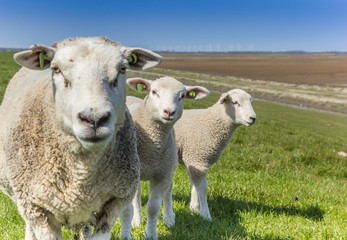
<point x="312" y="69"/>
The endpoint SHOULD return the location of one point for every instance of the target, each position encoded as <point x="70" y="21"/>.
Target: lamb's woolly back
<point x="206" y="132"/>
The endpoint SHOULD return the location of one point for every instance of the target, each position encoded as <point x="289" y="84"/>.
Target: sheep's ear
<point x="139" y="84"/>
<point x="196" y="92"/>
<point x="225" y="97"/>
<point x="38" y="57"/>
<point x="140" y="59"/>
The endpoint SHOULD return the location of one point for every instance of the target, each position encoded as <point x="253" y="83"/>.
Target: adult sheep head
<point x="166" y="96"/>
<point x="88" y="76"/>
<point x="238" y="105"/>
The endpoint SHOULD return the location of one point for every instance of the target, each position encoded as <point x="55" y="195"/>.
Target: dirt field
<point x="312" y="69"/>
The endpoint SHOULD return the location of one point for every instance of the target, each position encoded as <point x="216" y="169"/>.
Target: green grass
<point x="279" y="179"/>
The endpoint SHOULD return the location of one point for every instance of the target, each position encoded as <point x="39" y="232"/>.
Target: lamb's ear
<point x="140" y="59"/>
<point x="196" y="92"/>
<point x="139" y="84"/>
<point x="225" y="97"/>
<point x="38" y="57"/>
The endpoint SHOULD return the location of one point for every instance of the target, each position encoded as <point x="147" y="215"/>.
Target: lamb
<point x="68" y="152"/>
<point x="202" y="135"/>
<point x="154" y="118"/>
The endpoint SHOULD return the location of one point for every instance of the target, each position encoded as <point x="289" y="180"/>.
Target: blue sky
<point x="181" y="25"/>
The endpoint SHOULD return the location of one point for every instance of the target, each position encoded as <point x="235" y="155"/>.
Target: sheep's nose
<point x="93" y="119"/>
<point x="169" y="113"/>
<point x="253" y="119"/>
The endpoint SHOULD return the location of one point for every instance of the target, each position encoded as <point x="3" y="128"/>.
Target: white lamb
<point x="202" y="135"/>
<point x="68" y="152"/>
<point x="154" y="118"/>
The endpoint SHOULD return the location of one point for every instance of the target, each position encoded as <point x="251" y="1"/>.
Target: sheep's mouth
<point x="168" y="119"/>
<point x="93" y="139"/>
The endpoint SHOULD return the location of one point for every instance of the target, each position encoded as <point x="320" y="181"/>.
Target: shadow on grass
<point x="226" y="223"/>
<point x="221" y="206"/>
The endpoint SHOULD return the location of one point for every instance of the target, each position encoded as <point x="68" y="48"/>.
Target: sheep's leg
<point x="39" y="230"/>
<point x="137" y="219"/>
<point x="29" y="234"/>
<point x="198" y="202"/>
<point x="169" y="215"/>
<point x="106" y="221"/>
<point x="125" y="219"/>
<point x="156" y="192"/>
<point x="86" y="232"/>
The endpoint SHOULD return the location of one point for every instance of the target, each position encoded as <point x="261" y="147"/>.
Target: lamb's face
<point x="90" y="91"/>
<point x="166" y="98"/>
<point x="239" y="107"/>
<point x="89" y="86"/>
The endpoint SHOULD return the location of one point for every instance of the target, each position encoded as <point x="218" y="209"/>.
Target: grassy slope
<point x="279" y="179"/>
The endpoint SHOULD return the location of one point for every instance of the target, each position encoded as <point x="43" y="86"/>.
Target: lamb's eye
<point x="236" y="103"/>
<point x="155" y="93"/>
<point x="67" y="83"/>
<point x="56" y="70"/>
<point x="182" y="96"/>
<point x="122" y="70"/>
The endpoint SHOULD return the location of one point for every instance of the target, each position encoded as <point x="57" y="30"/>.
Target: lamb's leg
<point x="137" y="219"/>
<point x="156" y="192"/>
<point x="198" y="202"/>
<point x="194" y="197"/>
<point x="169" y="215"/>
<point x="202" y="191"/>
<point x="125" y="219"/>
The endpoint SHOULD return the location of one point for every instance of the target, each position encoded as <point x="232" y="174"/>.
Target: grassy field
<point x="279" y="179"/>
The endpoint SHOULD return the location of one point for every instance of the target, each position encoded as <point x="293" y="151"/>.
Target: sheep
<point x="154" y="118"/>
<point x="202" y="135"/>
<point x="68" y="154"/>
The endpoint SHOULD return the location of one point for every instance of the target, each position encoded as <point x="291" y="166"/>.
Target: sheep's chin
<point x="94" y="144"/>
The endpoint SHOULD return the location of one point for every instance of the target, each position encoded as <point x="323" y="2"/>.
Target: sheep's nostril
<point x="104" y="118"/>
<point x="253" y="119"/>
<point x="94" y="120"/>
<point x="86" y="119"/>
<point x="169" y="113"/>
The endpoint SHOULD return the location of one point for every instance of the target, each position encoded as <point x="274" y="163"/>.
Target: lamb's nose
<point x="169" y="113"/>
<point x="253" y="119"/>
<point x="94" y="120"/>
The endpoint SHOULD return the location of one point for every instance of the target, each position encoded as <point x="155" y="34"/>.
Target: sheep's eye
<point x="122" y="70"/>
<point x="182" y="96"/>
<point x="236" y="103"/>
<point x="56" y="70"/>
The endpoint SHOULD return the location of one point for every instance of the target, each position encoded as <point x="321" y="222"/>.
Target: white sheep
<point x="202" y="135"/>
<point x="68" y="152"/>
<point x="154" y="118"/>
